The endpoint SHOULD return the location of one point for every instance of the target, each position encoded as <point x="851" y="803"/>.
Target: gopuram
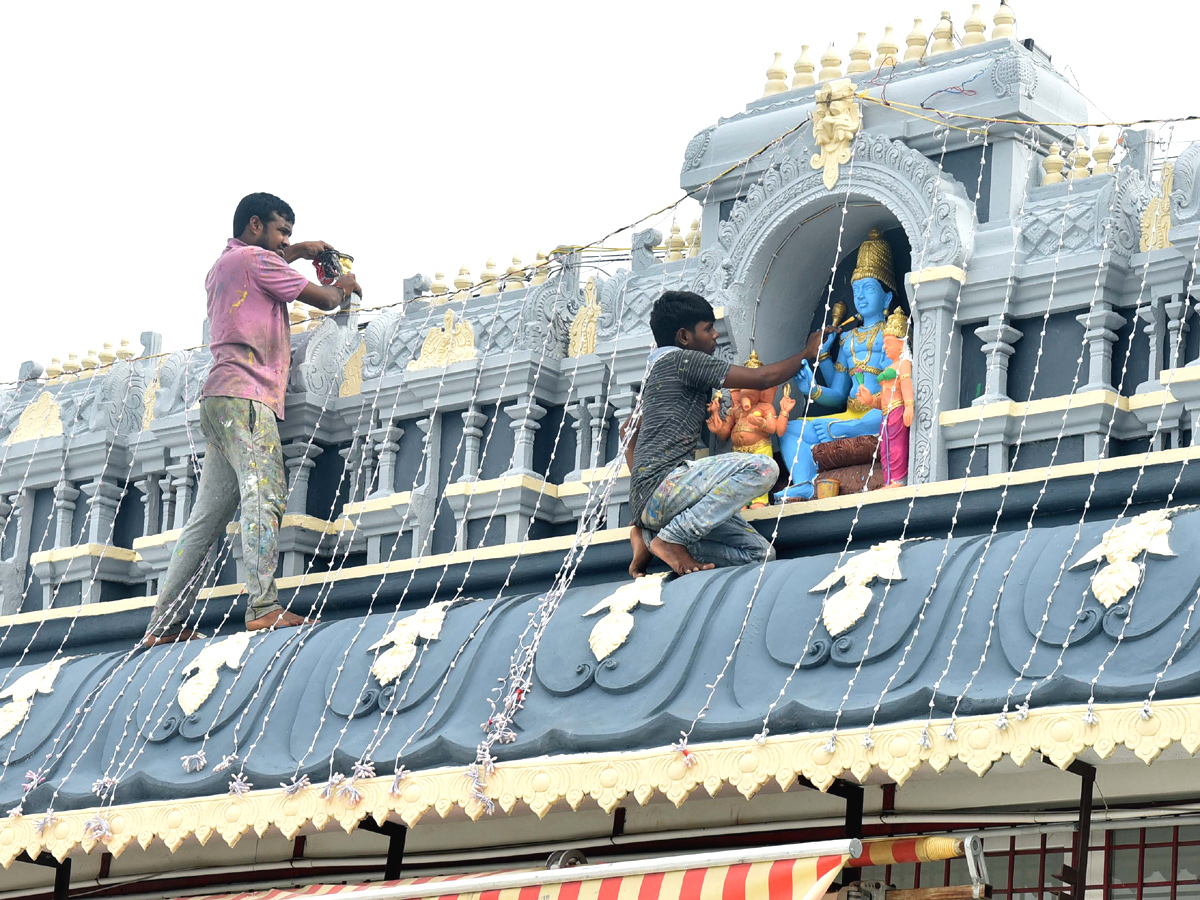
<point x="984" y="539"/>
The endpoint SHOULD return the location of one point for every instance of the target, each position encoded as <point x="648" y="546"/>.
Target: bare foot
<point x="641" y="553"/>
<point x="184" y="634"/>
<point x="280" y="618"/>
<point x="677" y="557"/>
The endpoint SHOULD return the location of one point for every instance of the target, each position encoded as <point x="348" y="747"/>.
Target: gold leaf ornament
<point x="21" y="692"/>
<point x="614" y="628"/>
<point x="844" y="608"/>
<point x="425" y="624"/>
<point x="202" y="674"/>
<point x="1120" y="547"/>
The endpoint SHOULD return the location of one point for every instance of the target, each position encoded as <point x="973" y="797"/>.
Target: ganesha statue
<point x="843" y="385"/>
<point x="751" y="421"/>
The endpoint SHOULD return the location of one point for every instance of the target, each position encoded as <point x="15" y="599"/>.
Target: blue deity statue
<point x="857" y="361"/>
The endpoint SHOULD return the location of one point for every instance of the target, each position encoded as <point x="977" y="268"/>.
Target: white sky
<point x="414" y="136"/>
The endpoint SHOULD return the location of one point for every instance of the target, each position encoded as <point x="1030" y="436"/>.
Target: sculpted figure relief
<point x="845" y="364"/>
<point x="751" y="421"/>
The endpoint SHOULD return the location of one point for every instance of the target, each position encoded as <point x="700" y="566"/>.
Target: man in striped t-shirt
<point x="691" y="508"/>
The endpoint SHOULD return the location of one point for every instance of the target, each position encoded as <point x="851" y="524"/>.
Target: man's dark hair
<point x="675" y="310"/>
<point x="262" y="205"/>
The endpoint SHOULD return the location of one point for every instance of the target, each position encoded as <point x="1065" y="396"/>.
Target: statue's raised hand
<point x="786" y="405"/>
<point x="804" y="379"/>
<point x="714" y="413"/>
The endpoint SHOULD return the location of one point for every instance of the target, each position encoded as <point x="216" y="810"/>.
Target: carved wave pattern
<point x="640" y="693"/>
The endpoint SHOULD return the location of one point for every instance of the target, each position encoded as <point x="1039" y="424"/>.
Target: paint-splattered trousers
<point x="698" y="505"/>
<point x="243" y="463"/>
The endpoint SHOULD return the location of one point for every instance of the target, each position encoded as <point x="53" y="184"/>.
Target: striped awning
<point x="787" y="878"/>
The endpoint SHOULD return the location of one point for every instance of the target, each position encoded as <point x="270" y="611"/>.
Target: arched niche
<point x="780" y="245"/>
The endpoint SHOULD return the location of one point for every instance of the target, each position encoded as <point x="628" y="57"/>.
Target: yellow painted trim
<point x="1062" y="403"/>
<point x="96" y="551"/>
<point x="937" y="273"/>
<point x="376" y="503"/>
<point x="1182" y="374"/>
<point x="587" y="478"/>
<point x="312" y="523"/>
<point x="496" y="485"/>
<point x="157" y="540"/>
<point x="108" y="607"/>
<point x="608" y="779"/>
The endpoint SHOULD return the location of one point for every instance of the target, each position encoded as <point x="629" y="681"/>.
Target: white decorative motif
<point x="425" y="624"/>
<point x="21" y="692"/>
<point x="845" y="607"/>
<point x="836" y="120"/>
<point x="201" y="675"/>
<point x="613" y="629"/>
<point x="1120" y="547"/>
<point x="1014" y="74"/>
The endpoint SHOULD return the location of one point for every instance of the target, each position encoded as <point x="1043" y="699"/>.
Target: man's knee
<point x="763" y="469"/>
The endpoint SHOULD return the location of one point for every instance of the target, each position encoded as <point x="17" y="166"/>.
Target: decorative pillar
<point x="998" y="339"/>
<point x="103" y="497"/>
<point x="182" y="482"/>
<point x="300" y="458"/>
<point x="387" y="445"/>
<point x="580" y="422"/>
<point x="473" y="421"/>
<point x="1155" y="318"/>
<point x="598" y="416"/>
<point x="623" y="403"/>
<point x="935" y="378"/>
<point x="65" y="495"/>
<point x="6" y="509"/>
<point x="1100" y="326"/>
<point x="1177" y="329"/>
<point x="12" y="569"/>
<point x="526" y="416"/>
<point x="423" y="506"/>
<point x="149" y="485"/>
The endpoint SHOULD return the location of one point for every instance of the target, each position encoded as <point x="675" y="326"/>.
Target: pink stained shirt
<point x="249" y="289"/>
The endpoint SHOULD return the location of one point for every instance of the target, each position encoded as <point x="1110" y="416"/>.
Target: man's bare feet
<point x="280" y="618"/>
<point x="677" y="557"/>
<point x="641" y="553"/>
<point x="184" y="634"/>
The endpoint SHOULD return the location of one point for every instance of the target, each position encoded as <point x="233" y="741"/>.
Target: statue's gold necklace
<point x="867" y="337"/>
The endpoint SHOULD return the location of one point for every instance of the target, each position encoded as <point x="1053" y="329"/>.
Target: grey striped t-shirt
<point x="675" y="400"/>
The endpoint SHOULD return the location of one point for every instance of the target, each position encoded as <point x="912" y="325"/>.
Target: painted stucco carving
<point x="21" y="693"/>
<point x="836" y="120"/>
<point x="611" y="631"/>
<point x="843" y="608"/>
<point x="693" y="156"/>
<point x="202" y="675"/>
<point x="1124" y="550"/>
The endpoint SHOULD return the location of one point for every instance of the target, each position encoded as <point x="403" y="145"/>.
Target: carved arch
<point x="928" y="203"/>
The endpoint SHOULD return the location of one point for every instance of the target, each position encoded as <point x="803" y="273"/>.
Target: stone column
<point x="581" y="422"/>
<point x="526" y="416"/>
<point x="6" y="509"/>
<point x="998" y="339"/>
<point x="12" y="569"/>
<point x="182" y="482"/>
<point x="598" y="423"/>
<point x="423" y="507"/>
<point x="152" y="494"/>
<point x="65" y="495"/>
<point x="1100" y="326"/>
<point x="104" y="497"/>
<point x="1177" y="329"/>
<point x="387" y="445"/>
<point x="935" y="378"/>
<point x="473" y="421"/>
<point x="1155" y="318"/>
<point x="300" y="458"/>
<point x="623" y="402"/>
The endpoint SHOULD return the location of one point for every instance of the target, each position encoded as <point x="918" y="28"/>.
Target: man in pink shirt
<point x="249" y="288"/>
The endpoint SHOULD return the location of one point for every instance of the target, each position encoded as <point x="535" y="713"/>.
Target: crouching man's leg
<point x="695" y="499"/>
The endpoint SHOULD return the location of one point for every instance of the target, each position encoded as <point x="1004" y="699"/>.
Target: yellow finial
<point x="90" y="361"/>
<point x="974" y="29"/>
<point x="54" y="370"/>
<point x="860" y="56"/>
<point x="916" y="41"/>
<point x="943" y="35"/>
<point x="776" y="77"/>
<point x="804" y="70"/>
<point x="1103" y="153"/>
<point x="887" y="52"/>
<point x="831" y="65"/>
<point x="514" y="276"/>
<point x="1004" y="22"/>
<point x="753" y="362"/>
<point x="463" y="284"/>
<point x="107" y="355"/>
<point x="875" y="261"/>
<point x="71" y="366"/>
<point x="124" y="350"/>
<point x="897" y="324"/>
<point x="675" y="244"/>
<point x="1079" y="160"/>
<point x="439" y="291"/>
<point x="1053" y="165"/>
<point x="487" y="278"/>
<point x="541" y="269"/>
<point x="692" y="239"/>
